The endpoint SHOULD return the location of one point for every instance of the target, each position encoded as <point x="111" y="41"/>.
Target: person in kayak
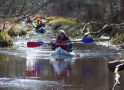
<point x="38" y="23"/>
<point x="62" y="41"/>
<point x="27" y="18"/>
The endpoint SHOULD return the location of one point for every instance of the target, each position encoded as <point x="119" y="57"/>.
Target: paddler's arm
<point x="53" y="46"/>
<point x="69" y="45"/>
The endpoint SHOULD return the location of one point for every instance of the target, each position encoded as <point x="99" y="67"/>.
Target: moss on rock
<point x="18" y="29"/>
<point x="70" y="25"/>
<point x="5" y="39"/>
<point x="119" y="39"/>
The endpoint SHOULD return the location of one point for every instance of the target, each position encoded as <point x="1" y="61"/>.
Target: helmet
<point x="61" y="31"/>
<point x="38" y="18"/>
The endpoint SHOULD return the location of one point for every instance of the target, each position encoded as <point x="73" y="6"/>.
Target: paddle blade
<point x="28" y="30"/>
<point x="33" y="44"/>
<point x="87" y="40"/>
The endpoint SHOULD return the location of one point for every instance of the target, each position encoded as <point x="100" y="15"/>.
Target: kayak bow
<point x="60" y="53"/>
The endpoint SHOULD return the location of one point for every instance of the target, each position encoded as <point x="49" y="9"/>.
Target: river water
<point x="23" y="68"/>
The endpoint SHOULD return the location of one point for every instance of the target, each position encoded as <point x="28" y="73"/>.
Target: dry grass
<point x="63" y="20"/>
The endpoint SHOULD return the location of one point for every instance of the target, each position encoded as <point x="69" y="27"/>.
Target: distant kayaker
<point x="38" y="23"/>
<point x="62" y="41"/>
<point x="27" y="18"/>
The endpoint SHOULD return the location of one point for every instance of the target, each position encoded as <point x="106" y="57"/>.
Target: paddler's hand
<point x="53" y="45"/>
<point x="68" y="44"/>
<point x="51" y="42"/>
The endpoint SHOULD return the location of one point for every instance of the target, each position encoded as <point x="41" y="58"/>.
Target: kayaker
<point x="38" y="23"/>
<point x="62" y="41"/>
<point x="27" y="18"/>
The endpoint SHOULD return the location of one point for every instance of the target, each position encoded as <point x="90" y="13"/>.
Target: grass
<point x="18" y="27"/>
<point x="119" y="38"/>
<point x="5" y="35"/>
<point x="76" y="37"/>
<point x="66" y="21"/>
<point x="63" y="20"/>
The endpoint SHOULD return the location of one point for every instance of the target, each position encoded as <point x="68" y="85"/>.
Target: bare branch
<point x="35" y="10"/>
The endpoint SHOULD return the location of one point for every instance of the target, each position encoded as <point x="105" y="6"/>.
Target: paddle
<point x="28" y="30"/>
<point x="87" y="40"/>
<point x="33" y="44"/>
<point x="39" y="43"/>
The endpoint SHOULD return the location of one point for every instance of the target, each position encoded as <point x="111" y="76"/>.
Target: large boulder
<point x="5" y="39"/>
<point x="17" y="30"/>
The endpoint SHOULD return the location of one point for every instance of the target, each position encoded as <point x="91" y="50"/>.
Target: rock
<point x="5" y="39"/>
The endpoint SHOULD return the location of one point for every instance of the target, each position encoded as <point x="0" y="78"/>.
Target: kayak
<point x="41" y="30"/>
<point x="60" y="53"/>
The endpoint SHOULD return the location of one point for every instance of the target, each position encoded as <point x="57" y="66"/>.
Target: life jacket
<point x="28" y="20"/>
<point x="61" y="44"/>
<point x="40" y="24"/>
<point x="35" y="24"/>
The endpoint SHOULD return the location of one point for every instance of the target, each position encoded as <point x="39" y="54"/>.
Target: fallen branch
<point x="106" y="29"/>
<point x="117" y="76"/>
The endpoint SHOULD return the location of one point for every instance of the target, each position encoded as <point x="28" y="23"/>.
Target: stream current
<point x="23" y="68"/>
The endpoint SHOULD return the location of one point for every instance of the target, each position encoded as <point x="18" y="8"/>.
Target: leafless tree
<point x="17" y="8"/>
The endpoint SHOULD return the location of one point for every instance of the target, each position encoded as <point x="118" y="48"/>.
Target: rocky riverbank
<point x="7" y="34"/>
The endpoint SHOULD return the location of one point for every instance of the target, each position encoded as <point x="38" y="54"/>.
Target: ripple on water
<point x="90" y="54"/>
<point x="28" y="84"/>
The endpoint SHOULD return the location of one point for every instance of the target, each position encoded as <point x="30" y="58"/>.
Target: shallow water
<point x="24" y="68"/>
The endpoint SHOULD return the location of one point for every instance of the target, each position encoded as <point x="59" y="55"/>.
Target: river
<point x="23" y="68"/>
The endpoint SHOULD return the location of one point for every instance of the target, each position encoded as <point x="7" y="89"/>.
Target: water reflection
<point x="34" y="67"/>
<point x="62" y="68"/>
<point x="37" y="72"/>
<point x="86" y="71"/>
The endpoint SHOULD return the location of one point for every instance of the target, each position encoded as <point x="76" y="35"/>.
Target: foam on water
<point x="27" y="83"/>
